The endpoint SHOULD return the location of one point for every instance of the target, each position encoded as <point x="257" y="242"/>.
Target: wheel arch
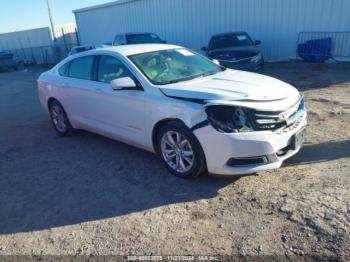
<point x="157" y="127"/>
<point x="50" y="100"/>
<point x="71" y="126"/>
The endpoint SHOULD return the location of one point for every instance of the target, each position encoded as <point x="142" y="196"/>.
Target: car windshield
<point x="231" y="40"/>
<point x="174" y="65"/>
<point x="143" y="39"/>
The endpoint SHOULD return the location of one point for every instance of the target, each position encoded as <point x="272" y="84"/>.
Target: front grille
<point x="273" y="120"/>
<point x="234" y="62"/>
<point x="266" y="120"/>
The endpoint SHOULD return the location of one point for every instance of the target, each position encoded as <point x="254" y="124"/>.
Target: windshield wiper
<point x="208" y="73"/>
<point x="189" y="78"/>
<point x="171" y="82"/>
<point x="179" y="80"/>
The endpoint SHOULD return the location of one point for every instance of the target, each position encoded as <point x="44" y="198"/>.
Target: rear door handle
<point x="98" y="90"/>
<point x="66" y="85"/>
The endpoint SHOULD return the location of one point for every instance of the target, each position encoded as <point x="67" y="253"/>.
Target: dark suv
<point x="235" y="50"/>
<point x="137" y="38"/>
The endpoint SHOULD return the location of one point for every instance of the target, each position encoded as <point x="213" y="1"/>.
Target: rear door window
<point x="81" y="68"/>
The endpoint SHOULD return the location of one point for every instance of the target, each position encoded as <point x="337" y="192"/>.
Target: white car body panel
<point x="131" y="115"/>
<point x="233" y="87"/>
<point x="243" y="145"/>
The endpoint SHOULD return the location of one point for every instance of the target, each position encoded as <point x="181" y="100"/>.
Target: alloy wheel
<point x="177" y="151"/>
<point x="59" y="118"/>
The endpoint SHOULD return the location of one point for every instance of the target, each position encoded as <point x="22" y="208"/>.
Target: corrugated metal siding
<point x="36" y="45"/>
<point x="37" y="37"/>
<point x="25" y="39"/>
<point x="101" y="25"/>
<point x="191" y="22"/>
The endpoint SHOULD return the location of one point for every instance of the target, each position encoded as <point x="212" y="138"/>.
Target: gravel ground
<point x="87" y="194"/>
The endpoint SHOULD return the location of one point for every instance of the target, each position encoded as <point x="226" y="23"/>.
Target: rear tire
<point x="60" y="120"/>
<point x="180" y="151"/>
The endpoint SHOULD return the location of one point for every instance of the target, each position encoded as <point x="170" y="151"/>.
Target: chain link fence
<point x="46" y="51"/>
<point x="43" y="55"/>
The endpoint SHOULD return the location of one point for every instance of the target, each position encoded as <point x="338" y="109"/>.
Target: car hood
<point x="234" y="53"/>
<point x="233" y="87"/>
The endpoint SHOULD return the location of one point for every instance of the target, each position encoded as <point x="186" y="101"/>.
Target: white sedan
<point x="196" y="115"/>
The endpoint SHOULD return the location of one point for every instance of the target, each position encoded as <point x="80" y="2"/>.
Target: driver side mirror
<point x="257" y="42"/>
<point x="204" y="48"/>
<point x="124" y="83"/>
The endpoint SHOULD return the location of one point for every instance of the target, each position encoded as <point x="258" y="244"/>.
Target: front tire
<point x="59" y="119"/>
<point x="180" y="150"/>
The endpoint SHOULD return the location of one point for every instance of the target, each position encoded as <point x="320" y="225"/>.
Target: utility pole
<point x="51" y="21"/>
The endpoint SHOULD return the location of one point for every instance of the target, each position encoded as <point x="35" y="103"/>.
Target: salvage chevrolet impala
<point x="196" y="115"/>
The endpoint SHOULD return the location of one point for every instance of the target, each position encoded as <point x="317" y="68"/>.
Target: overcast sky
<point x="17" y="15"/>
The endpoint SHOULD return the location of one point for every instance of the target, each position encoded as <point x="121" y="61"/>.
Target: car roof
<point x="230" y="33"/>
<point x="127" y="50"/>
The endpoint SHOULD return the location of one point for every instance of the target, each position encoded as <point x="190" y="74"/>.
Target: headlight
<point x="256" y="58"/>
<point x="229" y="119"/>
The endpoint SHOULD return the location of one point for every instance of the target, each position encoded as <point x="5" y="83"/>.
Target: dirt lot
<point x="87" y="194"/>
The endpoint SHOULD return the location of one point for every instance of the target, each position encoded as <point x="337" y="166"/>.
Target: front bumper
<point x="219" y="148"/>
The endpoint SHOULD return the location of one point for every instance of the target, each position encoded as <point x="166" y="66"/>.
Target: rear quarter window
<point x="63" y="70"/>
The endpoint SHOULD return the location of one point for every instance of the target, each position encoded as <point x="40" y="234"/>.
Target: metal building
<point x="38" y="46"/>
<point x="277" y="23"/>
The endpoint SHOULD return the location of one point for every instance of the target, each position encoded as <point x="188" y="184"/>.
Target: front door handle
<point x="66" y="85"/>
<point x="98" y="90"/>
